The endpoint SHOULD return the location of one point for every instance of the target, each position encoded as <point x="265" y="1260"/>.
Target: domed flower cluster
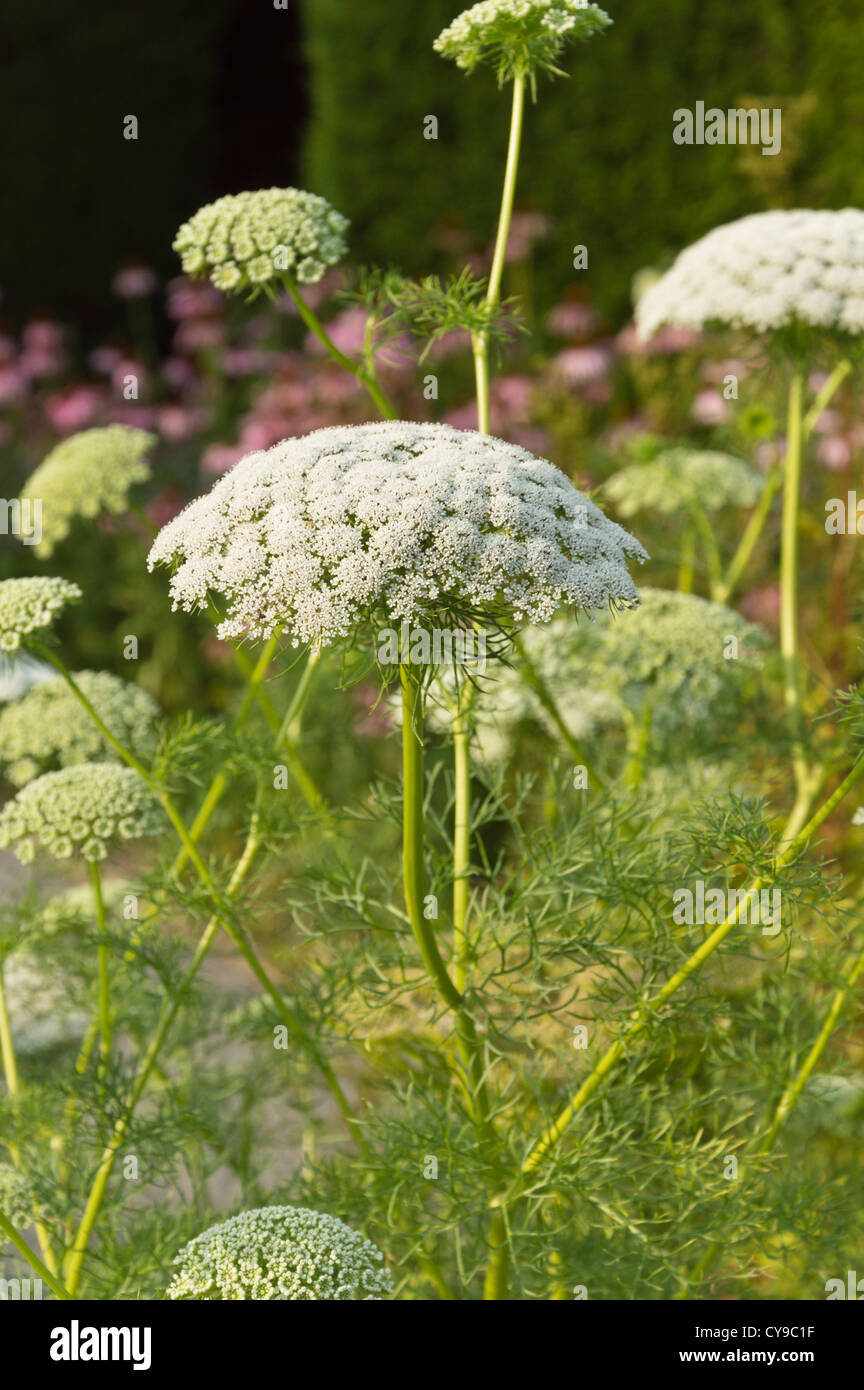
<point x="17" y="1196"/>
<point x="281" y="1253"/>
<point x="50" y="726"/>
<point x="248" y="240"/>
<point x="78" y="811"/>
<point x="28" y="606"/>
<point x="681" y="479"/>
<point x="44" y="1011"/>
<point x="683" y="655"/>
<point x="388" y="523"/>
<point x="518" y="37"/>
<point x="766" y="272"/>
<point x="86" y="475"/>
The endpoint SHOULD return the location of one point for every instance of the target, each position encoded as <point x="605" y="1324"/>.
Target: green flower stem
<point x="413" y="867"/>
<point x="712" y="550"/>
<point x="825" y="396"/>
<point x="104" y="1010"/>
<point x="648" y="1009"/>
<point x="32" y="1259"/>
<point x="13" y="1088"/>
<point x="480" y="341"/>
<point x="752" y="531"/>
<point x="236" y="933"/>
<point x="170" y="1009"/>
<point x="289" y="730"/>
<point x="7" y="1047"/>
<point x="462" y="835"/>
<point x="314" y="324"/>
<point x="789" y="584"/>
<point x="638" y="735"/>
<point x="535" y="682"/>
<point x="786" y="1104"/>
<point x="687" y="562"/>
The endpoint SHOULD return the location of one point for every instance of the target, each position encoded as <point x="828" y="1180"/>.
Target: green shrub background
<point x="598" y="152"/>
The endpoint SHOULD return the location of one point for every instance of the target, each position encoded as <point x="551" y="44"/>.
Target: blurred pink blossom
<point x="178" y="373"/>
<point x="835" y="452"/>
<point x="124" y="368"/>
<point x="667" y="340"/>
<point x="336" y="387"/>
<point x="597" y="393"/>
<point x="579" y="365"/>
<point x="530" y="437"/>
<point x="511" y="397"/>
<point x="165" y="505"/>
<point x="571" y="319"/>
<point x="193" y="299"/>
<point x="139" y="417"/>
<point x="448" y="344"/>
<point x="199" y="335"/>
<point x="104" y="359"/>
<point x="135" y="282"/>
<point x="37" y="363"/>
<point x="829" y="422"/>
<point x="347" y="330"/>
<point x="762" y="605"/>
<point x="526" y="228"/>
<point x="245" y="361"/>
<point x="709" y="408"/>
<point x="374" y="718"/>
<point x="176" y="422"/>
<point x="12" y="384"/>
<point x="42" y="335"/>
<point x="73" y="409"/>
<point x="218" y="458"/>
<point x="463" y="417"/>
<point x="716" y="372"/>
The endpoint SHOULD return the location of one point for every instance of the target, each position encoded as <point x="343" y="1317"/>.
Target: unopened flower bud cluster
<point x="78" y="811"/>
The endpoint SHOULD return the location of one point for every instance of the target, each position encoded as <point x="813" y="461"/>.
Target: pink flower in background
<point x="667" y="340"/>
<point x="260" y="431"/>
<point x="768" y="454"/>
<point x="37" y="364"/>
<point x="245" y="361"/>
<point x="165" y="505"/>
<point x="189" y="299"/>
<point x="762" y="605"/>
<point x="125" y="368"/>
<point x="464" y="417"/>
<point x="597" y="393"/>
<point x="336" y="387"/>
<point x="449" y="343"/>
<point x="13" y="383"/>
<point x="8" y="348"/>
<point x="139" y="417"/>
<point x="135" y="282"/>
<point x="526" y="228"/>
<point x="373" y="718"/>
<point x="511" y="398"/>
<point x="835" y="452"/>
<point x="829" y="422"/>
<point x="176" y="422"/>
<point x="709" y="408"/>
<point x="571" y="319"/>
<point x="42" y="335"/>
<point x="618" y="437"/>
<point x="530" y="437"/>
<point x="199" y="335"/>
<point x="580" y="365"/>
<point x="104" y="359"/>
<point x="73" y="409"/>
<point x="717" y="372"/>
<point x="218" y="458"/>
<point x="178" y="373"/>
<point x="348" y="331"/>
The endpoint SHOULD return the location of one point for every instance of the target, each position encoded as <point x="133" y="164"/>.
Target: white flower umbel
<point x="49" y="725"/>
<point x="281" y="1253"/>
<point x="390" y="523"/>
<point x="680" y="479"/>
<point x="17" y="1196"/>
<point x="78" y="811"/>
<point x="246" y="241"/>
<point x="89" y="474"/>
<point x="29" y="606"/>
<point x="519" y="37"/>
<point x="766" y="272"/>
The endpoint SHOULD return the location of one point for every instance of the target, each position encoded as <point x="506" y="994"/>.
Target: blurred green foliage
<point x="598" y="150"/>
